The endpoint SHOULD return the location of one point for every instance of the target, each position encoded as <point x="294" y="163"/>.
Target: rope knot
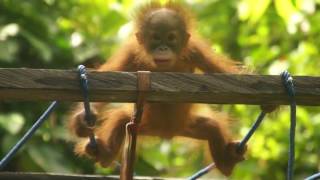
<point x="288" y="83"/>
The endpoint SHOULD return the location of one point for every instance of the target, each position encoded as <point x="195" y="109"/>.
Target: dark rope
<point x="288" y="84"/>
<point x="240" y="147"/>
<point x="202" y="172"/>
<point x="252" y="130"/>
<point x="27" y="135"/>
<point x="313" y="177"/>
<point x="89" y="117"/>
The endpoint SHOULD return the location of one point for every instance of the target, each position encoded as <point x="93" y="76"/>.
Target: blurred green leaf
<point x="285" y="9"/>
<point x="12" y="122"/>
<point x="43" y="50"/>
<point x="252" y="10"/>
<point x="8" y="50"/>
<point x="49" y="158"/>
<point x="8" y="141"/>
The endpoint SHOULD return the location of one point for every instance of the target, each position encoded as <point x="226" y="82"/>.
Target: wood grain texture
<point x="56" y="176"/>
<point x="63" y="85"/>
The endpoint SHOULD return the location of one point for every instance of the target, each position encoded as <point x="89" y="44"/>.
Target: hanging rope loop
<point x="89" y="117"/>
<point x="132" y="127"/>
<point x="143" y="85"/>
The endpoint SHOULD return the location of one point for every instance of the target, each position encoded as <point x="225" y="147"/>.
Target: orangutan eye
<point x="156" y="37"/>
<point x="171" y="37"/>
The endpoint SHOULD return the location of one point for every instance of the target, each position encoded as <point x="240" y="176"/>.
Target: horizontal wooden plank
<point x="57" y="176"/>
<point x="63" y="85"/>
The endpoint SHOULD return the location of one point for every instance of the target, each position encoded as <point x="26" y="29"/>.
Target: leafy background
<point x="268" y="36"/>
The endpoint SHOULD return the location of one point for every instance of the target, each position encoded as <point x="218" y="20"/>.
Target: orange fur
<point x="162" y="119"/>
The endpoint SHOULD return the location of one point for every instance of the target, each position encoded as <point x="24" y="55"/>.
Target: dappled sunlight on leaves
<point x="12" y="122"/>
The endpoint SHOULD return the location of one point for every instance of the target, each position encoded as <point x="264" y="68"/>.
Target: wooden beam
<point x="56" y="176"/>
<point x="63" y="85"/>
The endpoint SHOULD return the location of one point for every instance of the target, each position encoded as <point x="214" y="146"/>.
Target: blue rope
<point x="89" y="117"/>
<point x="288" y="84"/>
<point x="27" y="135"/>
<point x="202" y="172"/>
<point x="254" y="127"/>
<point x="313" y="177"/>
<point x="240" y="146"/>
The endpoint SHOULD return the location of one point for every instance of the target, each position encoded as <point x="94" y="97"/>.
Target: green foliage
<point x="268" y="36"/>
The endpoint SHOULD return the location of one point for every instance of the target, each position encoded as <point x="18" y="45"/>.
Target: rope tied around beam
<point x="89" y="117"/>
<point x="143" y="84"/>
<point x="289" y="86"/>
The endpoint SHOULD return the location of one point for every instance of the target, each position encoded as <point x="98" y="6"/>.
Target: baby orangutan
<point x="163" y="42"/>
